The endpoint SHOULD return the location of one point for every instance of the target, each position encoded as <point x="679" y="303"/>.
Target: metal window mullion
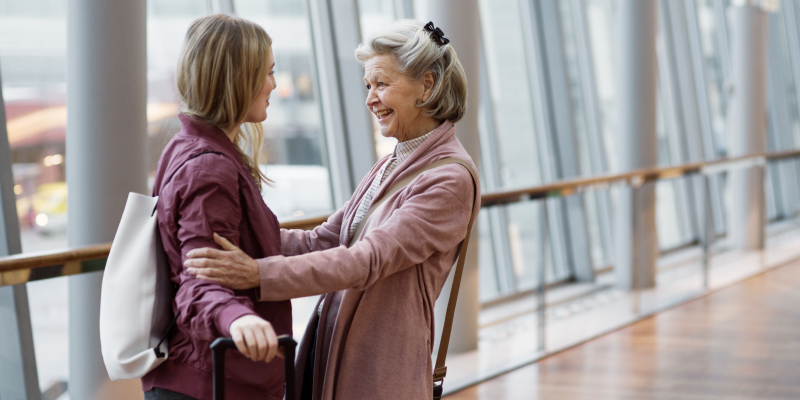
<point x="780" y="126"/>
<point x="789" y="173"/>
<point x="350" y="145"/>
<point x="564" y="136"/>
<point x="693" y="137"/>
<point x="776" y="123"/>
<point x="19" y="378"/>
<point x="358" y="123"/>
<point x="490" y="162"/>
<point x="769" y="194"/>
<point x="694" y="61"/>
<point x="594" y="125"/>
<point x="546" y="165"/>
<point x="704" y="108"/>
<point x="721" y="23"/>
<point x="333" y="123"/>
<point x="690" y="135"/>
<point x="551" y="124"/>
<point x="793" y="41"/>
<point x="668" y="102"/>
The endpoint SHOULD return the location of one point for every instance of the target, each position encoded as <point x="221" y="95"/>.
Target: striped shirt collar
<point x="404" y="149"/>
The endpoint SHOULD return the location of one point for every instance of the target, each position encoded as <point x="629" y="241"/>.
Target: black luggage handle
<point x="221" y="345"/>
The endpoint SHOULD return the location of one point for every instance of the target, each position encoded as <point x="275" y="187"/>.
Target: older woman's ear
<point x="428" y="82"/>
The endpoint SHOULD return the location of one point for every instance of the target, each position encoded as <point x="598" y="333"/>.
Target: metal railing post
<point x="764" y="216"/>
<point x="542" y="286"/>
<point x="709" y="231"/>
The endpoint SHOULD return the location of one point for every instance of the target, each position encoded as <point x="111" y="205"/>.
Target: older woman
<point x="373" y="332"/>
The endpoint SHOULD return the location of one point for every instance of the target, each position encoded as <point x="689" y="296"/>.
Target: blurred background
<point x="517" y="146"/>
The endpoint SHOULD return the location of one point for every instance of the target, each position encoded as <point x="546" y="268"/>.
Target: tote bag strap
<point x="440" y="370"/>
<point x="185" y="162"/>
<point x="176" y="172"/>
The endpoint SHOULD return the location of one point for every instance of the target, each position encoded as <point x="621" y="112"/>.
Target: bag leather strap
<point x="440" y="370"/>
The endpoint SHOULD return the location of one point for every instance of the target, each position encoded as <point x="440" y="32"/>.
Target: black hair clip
<point x="436" y="34"/>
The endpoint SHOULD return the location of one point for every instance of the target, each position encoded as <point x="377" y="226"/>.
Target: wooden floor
<point x="742" y="342"/>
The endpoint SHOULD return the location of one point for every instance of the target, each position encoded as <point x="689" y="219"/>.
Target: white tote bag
<point x="136" y="296"/>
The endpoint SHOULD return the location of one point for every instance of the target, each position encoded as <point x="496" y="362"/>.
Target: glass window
<point x="33" y="51"/>
<point x="275" y="8"/>
<point x="487" y="269"/>
<point x="600" y="17"/>
<point x="669" y="193"/>
<point x="712" y="66"/>
<point x="375" y="15"/>
<point x="590" y="162"/>
<point x="167" y="24"/>
<point x="295" y="143"/>
<point x="789" y="85"/>
<point x="577" y="95"/>
<point x="510" y="85"/>
<point x="33" y="57"/>
<point x="784" y="173"/>
<point x="511" y="96"/>
<point x="525" y="242"/>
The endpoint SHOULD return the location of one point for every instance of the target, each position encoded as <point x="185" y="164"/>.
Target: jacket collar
<point x="442" y="133"/>
<point x="195" y="127"/>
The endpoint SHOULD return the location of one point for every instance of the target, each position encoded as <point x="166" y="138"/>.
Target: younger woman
<point x="208" y="185"/>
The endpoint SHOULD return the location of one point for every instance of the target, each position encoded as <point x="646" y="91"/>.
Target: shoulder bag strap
<point x="440" y="370"/>
<point x="399" y="186"/>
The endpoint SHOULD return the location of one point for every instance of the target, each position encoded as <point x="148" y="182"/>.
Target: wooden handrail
<point x="29" y="261"/>
<point x="61" y="258"/>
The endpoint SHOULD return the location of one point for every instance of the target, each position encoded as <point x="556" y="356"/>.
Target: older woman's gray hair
<point x="416" y="53"/>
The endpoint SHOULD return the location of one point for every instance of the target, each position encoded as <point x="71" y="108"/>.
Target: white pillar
<point x="747" y="123"/>
<point x="106" y="99"/>
<point x="460" y="22"/>
<point x="637" y="77"/>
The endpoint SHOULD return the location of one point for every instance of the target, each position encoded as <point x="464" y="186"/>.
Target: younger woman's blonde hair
<point x="221" y="69"/>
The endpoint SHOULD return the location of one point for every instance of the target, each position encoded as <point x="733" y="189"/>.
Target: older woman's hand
<point x="231" y="267"/>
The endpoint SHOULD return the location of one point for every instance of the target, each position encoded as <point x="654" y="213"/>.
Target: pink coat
<point x="376" y="333"/>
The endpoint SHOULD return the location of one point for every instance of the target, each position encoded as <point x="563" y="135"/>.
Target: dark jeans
<point x="164" y="394"/>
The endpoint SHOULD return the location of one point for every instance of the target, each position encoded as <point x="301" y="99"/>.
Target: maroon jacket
<point x="212" y="190"/>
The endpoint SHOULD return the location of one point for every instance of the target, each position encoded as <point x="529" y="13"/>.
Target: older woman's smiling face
<point x="393" y="98"/>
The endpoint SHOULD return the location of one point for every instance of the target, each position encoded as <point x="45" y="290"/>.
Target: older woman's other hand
<point x="231" y="267"/>
<point x="255" y="338"/>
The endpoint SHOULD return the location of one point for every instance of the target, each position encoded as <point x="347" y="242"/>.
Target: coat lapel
<point x="442" y="133"/>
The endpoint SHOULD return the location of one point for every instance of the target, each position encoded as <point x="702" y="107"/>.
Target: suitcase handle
<point x="221" y="345"/>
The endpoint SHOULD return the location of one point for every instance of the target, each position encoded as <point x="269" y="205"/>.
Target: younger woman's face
<point x="258" y="110"/>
